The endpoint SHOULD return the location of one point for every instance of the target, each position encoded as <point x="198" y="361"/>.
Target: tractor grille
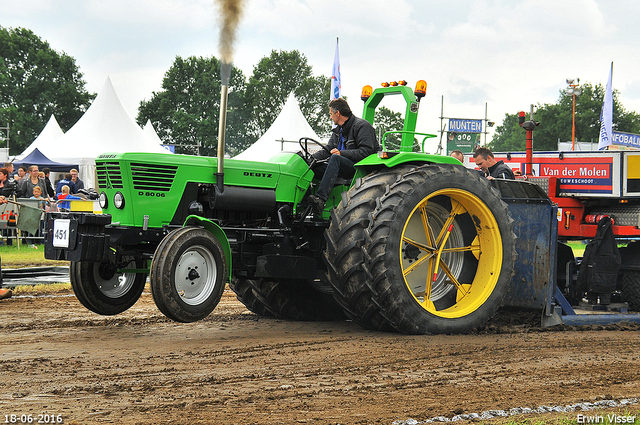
<point x="152" y="176"/>
<point x="109" y="175"/>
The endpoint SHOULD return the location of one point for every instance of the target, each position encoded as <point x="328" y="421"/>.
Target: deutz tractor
<point x="414" y="243"/>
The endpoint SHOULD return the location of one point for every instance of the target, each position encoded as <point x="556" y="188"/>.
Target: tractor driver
<point x="352" y="140"/>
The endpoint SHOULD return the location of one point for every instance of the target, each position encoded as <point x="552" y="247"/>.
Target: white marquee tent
<point x="283" y="135"/>
<point x="150" y="131"/>
<point x="105" y="127"/>
<point x="49" y="133"/>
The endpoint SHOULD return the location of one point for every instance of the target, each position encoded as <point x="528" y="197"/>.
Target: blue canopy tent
<point x="37" y="158"/>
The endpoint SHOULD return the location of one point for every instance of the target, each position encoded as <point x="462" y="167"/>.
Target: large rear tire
<point x="243" y="289"/>
<point x="296" y="300"/>
<point x="101" y="289"/>
<point x="344" y="256"/>
<point x="188" y="274"/>
<point x="439" y="252"/>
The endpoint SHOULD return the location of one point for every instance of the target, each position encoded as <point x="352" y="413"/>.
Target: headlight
<point x="118" y="200"/>
<point x="103" y="200"/>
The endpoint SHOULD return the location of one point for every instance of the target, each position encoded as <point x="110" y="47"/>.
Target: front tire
<point x="101" y="289"/>
<point x="188" y="274"/>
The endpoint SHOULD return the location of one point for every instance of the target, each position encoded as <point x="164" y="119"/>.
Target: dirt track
<point x="235" y="368"/>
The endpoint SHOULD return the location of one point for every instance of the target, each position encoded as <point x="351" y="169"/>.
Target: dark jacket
<point x="49" y="186"/>
<point x="9" y="187"/>
<point x="360" y="140"/>
<point x="500" y="170"/>
<point x="79" y="184"/>
<point x="25" y="187"/>
<point x="65" y="182"/>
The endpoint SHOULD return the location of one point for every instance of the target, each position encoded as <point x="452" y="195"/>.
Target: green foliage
<point x="186" y="112"/>
<point x="36" y="82"/>
<point x="274" y="78"/>
<point x="556" y="122"/>
<point x="387" y="120"/>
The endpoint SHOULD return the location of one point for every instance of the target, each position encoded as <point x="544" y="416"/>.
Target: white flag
<point x="336" y="85"/>
<point x="606" y="116"/>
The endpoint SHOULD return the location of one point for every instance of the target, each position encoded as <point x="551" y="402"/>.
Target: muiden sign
<point x="458" y="125"/>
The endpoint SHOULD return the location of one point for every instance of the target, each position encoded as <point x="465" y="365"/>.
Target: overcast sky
<point x="508" y="54"/>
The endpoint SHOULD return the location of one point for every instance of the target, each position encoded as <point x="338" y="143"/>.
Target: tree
<point x="36" y="82"/>
<point x="274" y="78"/>
<point x="186" y="112"/>
<point x="556" y="121"/>
<point x="387" y="120"/>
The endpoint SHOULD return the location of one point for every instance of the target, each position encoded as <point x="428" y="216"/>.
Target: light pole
<point x="574" y="90"/>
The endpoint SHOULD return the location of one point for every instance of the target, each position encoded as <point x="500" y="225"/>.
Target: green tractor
<point x="415" y="243"/>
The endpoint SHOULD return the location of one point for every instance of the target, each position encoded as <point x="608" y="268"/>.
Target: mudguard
<point x="194" y="220"/>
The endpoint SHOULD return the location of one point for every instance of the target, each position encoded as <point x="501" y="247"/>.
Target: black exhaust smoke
<point x="230" y="11"/>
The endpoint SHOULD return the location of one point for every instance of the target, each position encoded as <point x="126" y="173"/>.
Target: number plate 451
<point x="61" y="233"/>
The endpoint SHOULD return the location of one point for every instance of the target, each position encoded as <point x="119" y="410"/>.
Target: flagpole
<point x="336" y="83"/>
<point x="606" y="116"/>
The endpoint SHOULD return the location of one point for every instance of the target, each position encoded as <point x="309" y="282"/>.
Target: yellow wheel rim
<point x="432" y="253"/>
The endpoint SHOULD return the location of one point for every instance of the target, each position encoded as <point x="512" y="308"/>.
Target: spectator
<point x="26" y="184"/>
<point x="9" y="167"/>
<point x="64" y="197"/>
<point x="22" y="171"/>
<point x="493" y="169"/>
<point x="66" y="181"/>
<point x="457" y="154"/>
<point x="37" y="194"/>
<point x="64" y="192"/>
<point x="7" y="189"/>
<point x="4" y="293"/>
<point x="7" y="184"/>
<point x="47" y="184"/>
<point x="74" y="178"/>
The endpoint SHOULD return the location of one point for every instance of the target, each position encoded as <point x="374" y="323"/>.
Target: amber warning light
<point x="421" y="89"/>
<point x="366" y="92"/>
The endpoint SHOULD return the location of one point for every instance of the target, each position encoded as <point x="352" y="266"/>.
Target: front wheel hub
<point x="107" y="270"/>
<point x="195" y="275"/>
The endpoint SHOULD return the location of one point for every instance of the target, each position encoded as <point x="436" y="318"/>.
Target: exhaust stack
<point x="230" y="12"/>
<point x="225" y="74"/>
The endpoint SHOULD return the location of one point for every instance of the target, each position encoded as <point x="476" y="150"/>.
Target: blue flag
<point x="606" y="116"/>
<point x="336" y="85"/>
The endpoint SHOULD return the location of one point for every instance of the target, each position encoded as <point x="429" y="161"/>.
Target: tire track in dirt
<point x="234" y="367"/>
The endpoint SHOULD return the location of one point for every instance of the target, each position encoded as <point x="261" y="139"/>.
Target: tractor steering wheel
<point x="304" y="145"/>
